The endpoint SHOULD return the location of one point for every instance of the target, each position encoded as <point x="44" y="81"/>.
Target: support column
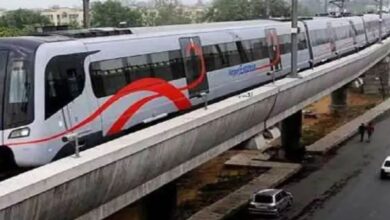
<point x="377" y="80"/>
<point x="291" y="136"/>
<point x="339" y="100"/>
<point x="161" y="204"/>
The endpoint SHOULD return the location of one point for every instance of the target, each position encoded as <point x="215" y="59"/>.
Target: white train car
<point x="102" y="83"/>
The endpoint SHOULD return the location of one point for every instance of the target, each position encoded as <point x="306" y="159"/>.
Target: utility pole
<point x="340" y="4"/>
<point x="326" y="7"/>
<point x="380" y="20"/>
<point x="268" y="9"/>
<point x="86" y="13"/>
<point x="294" y="38"/>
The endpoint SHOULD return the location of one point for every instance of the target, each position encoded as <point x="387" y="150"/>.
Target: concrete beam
<point x="115" y="174"/>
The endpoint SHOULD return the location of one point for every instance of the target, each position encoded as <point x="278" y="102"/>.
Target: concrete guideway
<point x="115" y="174"/>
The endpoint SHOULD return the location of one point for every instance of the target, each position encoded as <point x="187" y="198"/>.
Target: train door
<point x="194" y="66"/>
<point x="353" y="32"/>
<point x="332" y="38"/>
<point x="81" y="105"/>
<point x="274" y="50"/>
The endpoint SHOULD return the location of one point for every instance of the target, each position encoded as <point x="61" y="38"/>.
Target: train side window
<point x="223" y="54"/>
<point x="64" y="81"/>
<point x="260" y="50"/>
<point x="139" y="68"/>
<point x="176" y="64"/>
<point x="113" y="73"/>
<point x="248" y="50"/>
<point x="232" y="54"/>
<point x="242" y="51"/>
<point x="210" y="58"/>
<point x="161" y="66"/>
<point x="285" y="44"/>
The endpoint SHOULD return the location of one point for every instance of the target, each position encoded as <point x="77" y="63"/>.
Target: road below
<point x="360" y="194"/>
<point x="346" y="185"/>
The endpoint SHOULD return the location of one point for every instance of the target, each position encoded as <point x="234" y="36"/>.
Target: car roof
<point x="268" y="192"/>
<point x="387" y="158"/>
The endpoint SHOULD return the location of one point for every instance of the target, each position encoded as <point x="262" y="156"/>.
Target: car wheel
<point x="277" y="213"/>
<point x="289" y="204"/>
<point x="383" y="175"/>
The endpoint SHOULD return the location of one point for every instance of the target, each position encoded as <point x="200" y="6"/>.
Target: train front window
<point x="18" y="98"/>
<point x="18" y="93"/>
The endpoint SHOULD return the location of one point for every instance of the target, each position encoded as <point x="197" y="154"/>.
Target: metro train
<point x="99" y="83"/>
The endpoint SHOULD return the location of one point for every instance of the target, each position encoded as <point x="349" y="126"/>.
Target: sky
<point x="15" y="4"/>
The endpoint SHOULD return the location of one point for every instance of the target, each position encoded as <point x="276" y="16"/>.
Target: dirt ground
<point x="212" y="181"/>
<point x="323" y="123"/>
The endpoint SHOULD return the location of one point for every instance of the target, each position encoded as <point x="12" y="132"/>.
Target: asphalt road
<point x="364" y="195"/>
<point x="347" y="186"/>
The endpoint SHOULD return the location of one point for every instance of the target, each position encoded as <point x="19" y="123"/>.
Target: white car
<point x="385" y="169"/>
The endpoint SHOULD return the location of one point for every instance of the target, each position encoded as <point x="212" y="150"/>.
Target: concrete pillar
<point x="339" y="100"/>
<point x="291" y="136"/>
<point x="377" y="80"/>
<point x="161" y="204"/>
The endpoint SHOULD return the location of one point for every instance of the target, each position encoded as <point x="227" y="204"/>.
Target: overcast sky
<point x="14" y="4"/>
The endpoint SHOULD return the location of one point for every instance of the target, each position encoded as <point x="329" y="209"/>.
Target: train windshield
<point x="3" y="69"/>
<point x="17" y="96"/>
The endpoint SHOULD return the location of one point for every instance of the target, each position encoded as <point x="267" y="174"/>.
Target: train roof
<point x="202" y="26"/>
<point x="99" y="34"/>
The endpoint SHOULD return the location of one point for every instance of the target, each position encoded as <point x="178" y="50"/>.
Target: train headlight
<point x="20" y="133"/>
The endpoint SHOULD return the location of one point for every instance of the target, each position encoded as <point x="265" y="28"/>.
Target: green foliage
<point x="235" y="10"/>
<point x="23" y="19"/>
<point x="10" y="32"/>
<point x="167" y="12"/>
<point x="111" y="13"/>
<point x="229" y="10"/>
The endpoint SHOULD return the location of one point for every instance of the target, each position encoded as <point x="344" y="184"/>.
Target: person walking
<point x="362" y="130"/>
<point x="370" y="130"/>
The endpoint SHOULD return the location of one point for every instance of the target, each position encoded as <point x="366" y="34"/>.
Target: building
<point x="64" y="16"/>
<point x="2" y="12"/>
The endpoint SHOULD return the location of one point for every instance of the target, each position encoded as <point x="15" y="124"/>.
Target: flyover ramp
<point x="117" y="173"/>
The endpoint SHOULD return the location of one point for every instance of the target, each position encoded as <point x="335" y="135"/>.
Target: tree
<point x="277" y="8"/>
<point x="10" y="32"/>
<point x="111" y="13"/>
<point x="229" y="10"/>
<point x="167" y="12"/>
<point x="23" y="19"/>
<point x="235" y="10"/>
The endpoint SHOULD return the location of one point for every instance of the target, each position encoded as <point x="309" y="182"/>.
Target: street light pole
<point x="380" y="20"/>
<point x="294" y="38"/>
<point x="326" y="7"/>
<point x="86" y="13"/>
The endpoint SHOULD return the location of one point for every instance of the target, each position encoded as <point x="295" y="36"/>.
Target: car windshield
<point x="387" y="163"/>
<point x="263" y="199"/>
